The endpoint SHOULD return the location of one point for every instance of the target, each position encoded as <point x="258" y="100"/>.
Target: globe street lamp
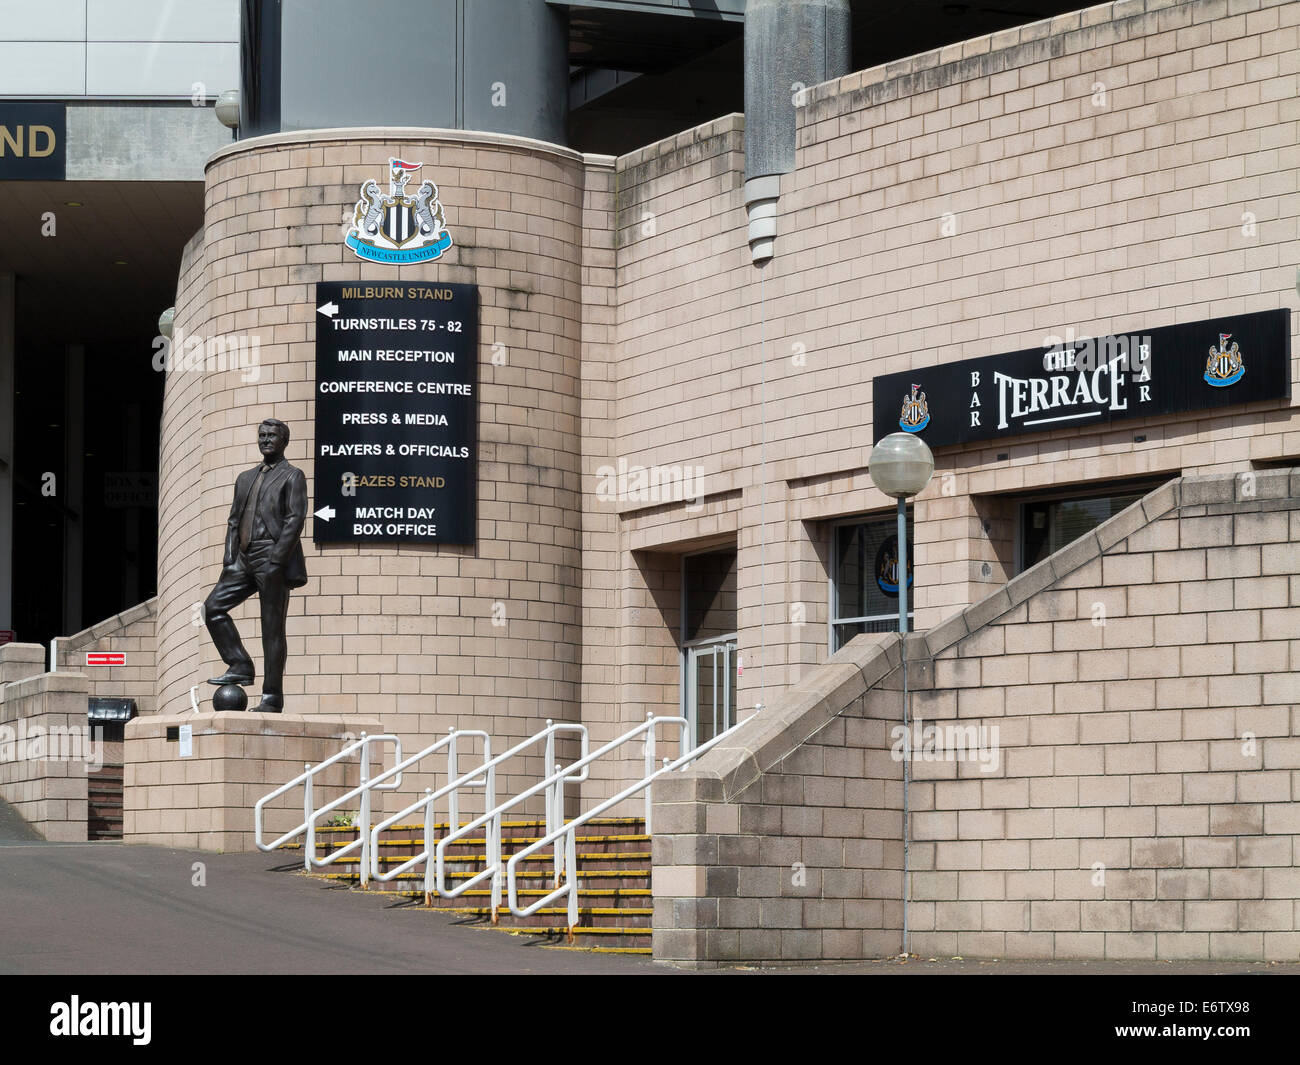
<point x="227" y="109"/>
<point x="901" y="465"/>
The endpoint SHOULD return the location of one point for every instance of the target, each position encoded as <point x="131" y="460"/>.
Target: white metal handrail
<point x="305" y="778"/>
<point x="476" y="778"/>
<point x="553" y="785"/>
<point x="493" y="866"/>
<point x="364" y="789"/>
<point x="569" y="831"/>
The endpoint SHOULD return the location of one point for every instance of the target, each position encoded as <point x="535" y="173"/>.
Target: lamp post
<point x="227" y="109"/>
<point x="901" y="465"/>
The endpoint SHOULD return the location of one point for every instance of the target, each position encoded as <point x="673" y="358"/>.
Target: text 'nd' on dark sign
<point x="1076" y="383"/>
<point x="396" y="412"/>
<point x="32" y="141"/>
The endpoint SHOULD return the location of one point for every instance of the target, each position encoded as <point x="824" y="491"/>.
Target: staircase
<point x="613" y="866"/>
<point x="104" y="803"/>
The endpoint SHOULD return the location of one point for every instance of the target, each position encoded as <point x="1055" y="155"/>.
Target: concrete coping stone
<point x="1013" y="46"/>
<point x="733" y="122"/>
<point x="22" y="652"/>
<point x="151" y="726"/>
<point x="42" y="683"/>
<point x="317" y="138"/>
<point x="1265" y="484"/>
<point x="149" y="608"/>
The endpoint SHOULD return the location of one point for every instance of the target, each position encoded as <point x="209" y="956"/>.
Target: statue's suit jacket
<point x="280" y="515"/>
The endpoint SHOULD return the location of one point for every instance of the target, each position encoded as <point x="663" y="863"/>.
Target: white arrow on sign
<point x="325" y="513"/>
<point x="328" y="309"/>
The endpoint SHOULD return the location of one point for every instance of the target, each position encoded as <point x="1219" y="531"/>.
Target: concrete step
<point x="104" y="803"/>
<point x="613" y="877"/>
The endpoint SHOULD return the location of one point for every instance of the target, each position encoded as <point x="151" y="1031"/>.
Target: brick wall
<point x="180" y="460"/>
<point x="206" y="799"/>
<point x="1147" y="802"/>
<point x="1070" y="207"/>
<point x="1128" y="166"/>
<point x="44" y="747"/>
<point x="402" y="634"/>
<point x="132" y="633"/>
<point x="1139" y="799"/>
<point x="785" y="843"/>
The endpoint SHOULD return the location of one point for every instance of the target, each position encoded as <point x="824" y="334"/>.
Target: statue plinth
<point x="205" y="801"/>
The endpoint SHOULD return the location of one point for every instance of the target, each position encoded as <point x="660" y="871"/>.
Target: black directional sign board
<point x="396" y="412"/>
<point x="33" y="141"/>
<point x="1091" y="381"/>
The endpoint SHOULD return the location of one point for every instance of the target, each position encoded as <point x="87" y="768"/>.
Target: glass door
<point x="708" y="642"/>
<point x="711" y="688"/>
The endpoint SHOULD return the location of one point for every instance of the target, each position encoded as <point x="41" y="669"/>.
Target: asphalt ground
<point x="106" y="908"/>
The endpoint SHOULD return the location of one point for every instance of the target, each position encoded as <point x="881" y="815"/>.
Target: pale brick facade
<point x="130" y="633"/>
<point x="44" y="747"/>
<point x="1142" y="802"/>
<point x="403" y="635"/>
<point x="1126" y="167"/>
<point x="1097" y="169"/>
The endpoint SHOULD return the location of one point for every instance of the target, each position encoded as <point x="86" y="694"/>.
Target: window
<point x="864" y="577"/>
<point x="1047" y="525"/>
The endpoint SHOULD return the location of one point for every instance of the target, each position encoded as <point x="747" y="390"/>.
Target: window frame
<point x="833" y="575"/>
<point x="1100" y="490"/>
<point x="685" y="646"/>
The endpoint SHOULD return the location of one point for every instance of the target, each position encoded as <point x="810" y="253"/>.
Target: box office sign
<point x="396" y="412"/>
<point x="1087" y="381"/>
<point x="32" y="141"/>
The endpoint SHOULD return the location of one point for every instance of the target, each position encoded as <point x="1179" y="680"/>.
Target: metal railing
<point x="568" y="832"/>
<point x="306" y="777"/>
<point x="560" y="835"/>
<point x="475" y="778"/>
<point x="364" y="789"/>
<point x="491" y="819"/>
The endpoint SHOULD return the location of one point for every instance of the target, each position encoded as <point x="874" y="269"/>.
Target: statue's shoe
<point x="270" y="704"/>
<point x="231" y="677"/>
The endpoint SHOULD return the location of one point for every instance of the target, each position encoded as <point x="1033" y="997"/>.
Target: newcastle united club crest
<point x="887" y="566"/>
<point x="399" y="229"/>
<point x="1224" y="367"/>
<point x="916" y="411"/>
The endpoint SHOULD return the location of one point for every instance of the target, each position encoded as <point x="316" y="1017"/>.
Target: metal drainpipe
<point x="790" y="45"/>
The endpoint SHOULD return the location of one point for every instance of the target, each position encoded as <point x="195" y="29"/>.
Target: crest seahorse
<point x="370" y="193"/>
<point x="430" y="221"/>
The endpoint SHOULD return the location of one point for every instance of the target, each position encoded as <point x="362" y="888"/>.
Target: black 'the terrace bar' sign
<point x="1091" y="380"/>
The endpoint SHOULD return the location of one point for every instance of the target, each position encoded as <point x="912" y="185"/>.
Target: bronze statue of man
<point x="263" y="555"/>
